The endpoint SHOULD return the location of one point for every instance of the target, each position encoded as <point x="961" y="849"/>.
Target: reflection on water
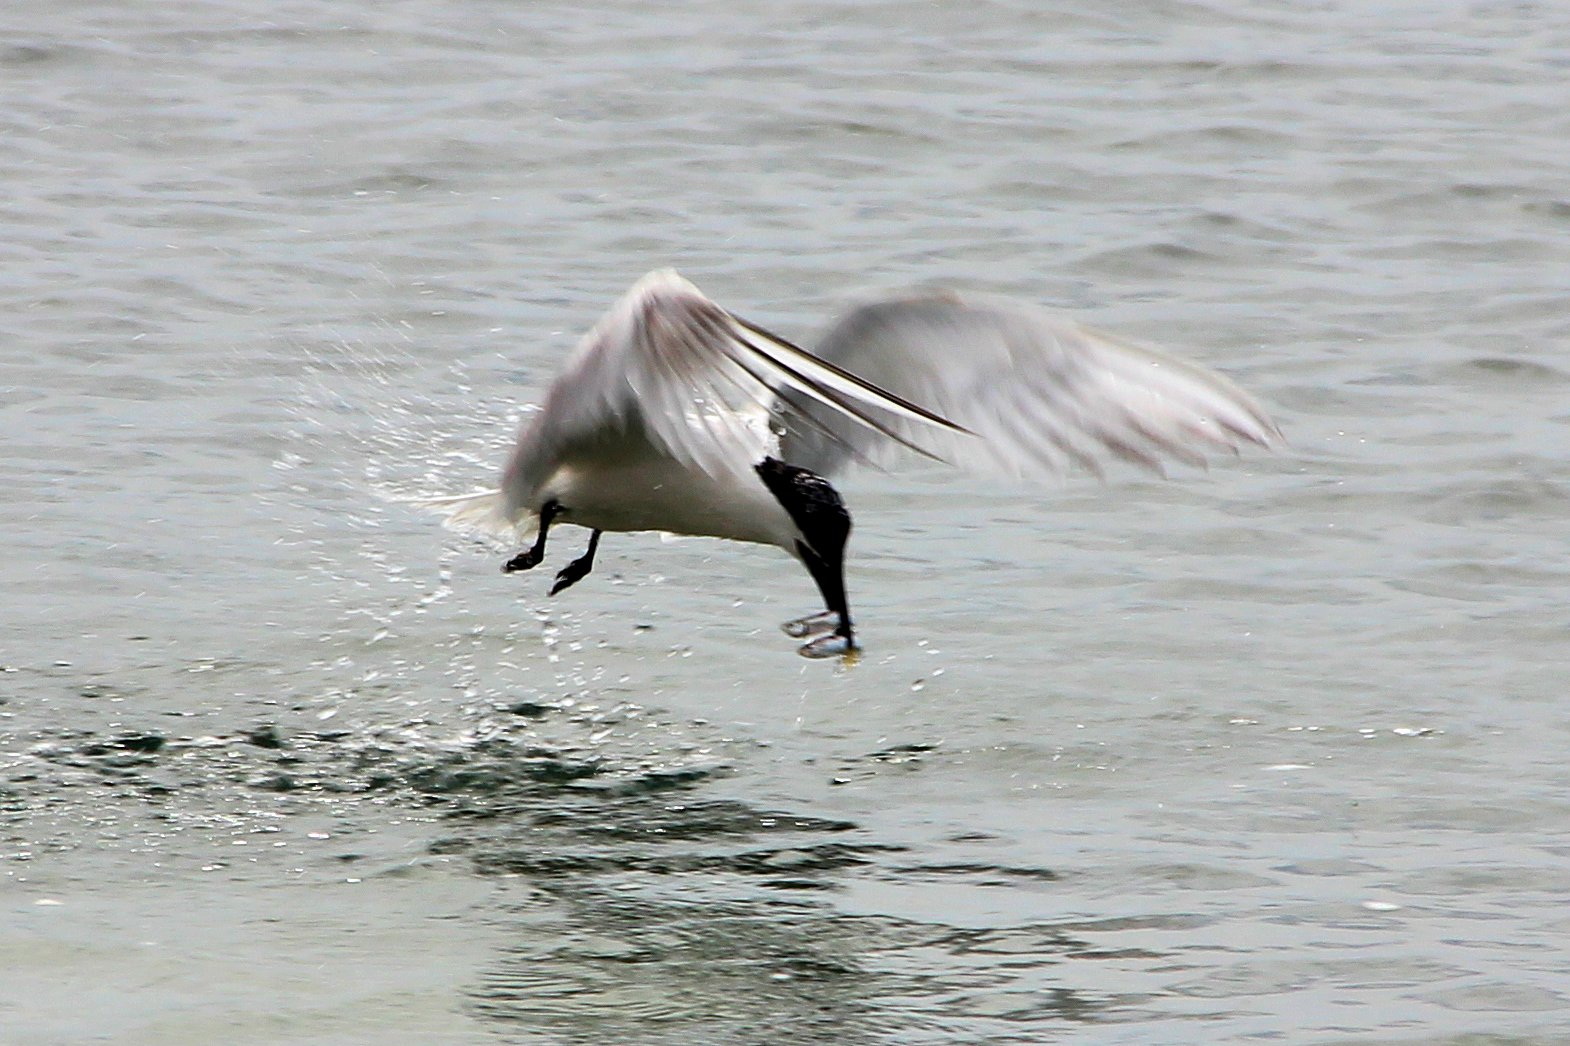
<point x="602" y="966"/>
<point x="658" y="918"/>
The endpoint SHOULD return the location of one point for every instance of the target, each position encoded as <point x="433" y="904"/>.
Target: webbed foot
<point x="811" y="625"/>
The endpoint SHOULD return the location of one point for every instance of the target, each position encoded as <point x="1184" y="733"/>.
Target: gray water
<point x="1273" y="752"/>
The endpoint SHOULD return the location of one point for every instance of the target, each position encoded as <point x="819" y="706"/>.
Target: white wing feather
<point x="981" y="382"/>
<point x="1042" y="393"/>
<point x="668" y="366"/>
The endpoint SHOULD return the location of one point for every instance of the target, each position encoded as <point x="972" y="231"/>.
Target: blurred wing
<point x="1044" y="394"/>
<point x="674" y="367"/>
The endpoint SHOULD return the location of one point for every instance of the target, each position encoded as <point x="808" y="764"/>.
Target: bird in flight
<point x="674" y="414"/>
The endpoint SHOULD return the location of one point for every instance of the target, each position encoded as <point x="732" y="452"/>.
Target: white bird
<point x="675" y="415"/>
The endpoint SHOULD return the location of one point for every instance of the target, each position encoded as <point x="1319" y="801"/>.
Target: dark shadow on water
<point x="643" y="903"/>
<point x="675" y="915"/>
<point x="595" y="965"/>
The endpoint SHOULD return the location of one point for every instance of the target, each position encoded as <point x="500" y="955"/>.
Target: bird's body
<point x="675" y="415"/>
<point x="630" y="485"/>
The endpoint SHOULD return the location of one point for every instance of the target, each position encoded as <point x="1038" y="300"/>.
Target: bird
<point x="674" y="414"/>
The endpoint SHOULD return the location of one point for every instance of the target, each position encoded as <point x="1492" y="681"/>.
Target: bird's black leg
<point x="531" y="557"/>
<point x="824" y="523"/>
<point x="830" y="577"/>
<point x="579" y="568"/>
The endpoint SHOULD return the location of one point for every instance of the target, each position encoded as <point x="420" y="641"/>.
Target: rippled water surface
<point x="1274" y="752"/>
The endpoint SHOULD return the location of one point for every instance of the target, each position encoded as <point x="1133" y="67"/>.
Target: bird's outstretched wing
<point x="1043" y="394"/>
<point x="672" y="366"/>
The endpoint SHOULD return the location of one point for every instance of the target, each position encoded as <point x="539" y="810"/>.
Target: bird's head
<point x="812" y="504"/>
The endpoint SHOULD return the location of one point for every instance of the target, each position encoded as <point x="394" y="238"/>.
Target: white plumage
<point x="673" y="414"/>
